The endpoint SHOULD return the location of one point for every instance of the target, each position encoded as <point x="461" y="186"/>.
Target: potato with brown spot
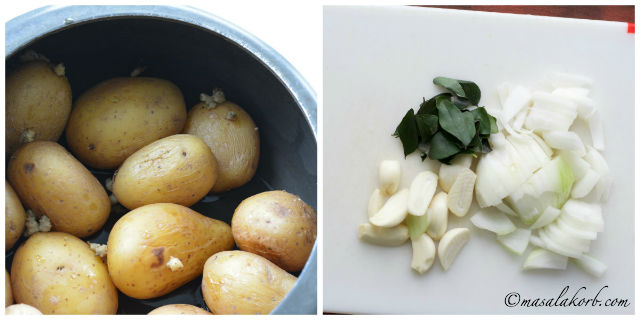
<point x="278" y="226"/>
<point x="14" y="217"/>
<point x="142" y="242"/>
<point x="57" y="273"/>
<point x="179" y="309"/>
<point x="38" y="103"/>
<point x="178" y="169"/>
<point x="233" y="138"/>
<point x="116" y="117"/>
<point x="51" y="182"/>
<point x="238" y="282"/>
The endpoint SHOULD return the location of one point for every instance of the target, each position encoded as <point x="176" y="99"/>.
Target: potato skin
<point x="143" y="240"/>
<point x="14" y="216"/>
<point x="278" y="226"/>
<point x="234" y="143"/>
<point x="37" y="99"/>
<point x="57" y="273"/>
<point x="8" y="293"/>
<point x="177" y="169"/>
<point x="50" y="181"/>
<point x="238" y="282"/>
<point x="178" y="309"/>
<point x="115" y="118"/>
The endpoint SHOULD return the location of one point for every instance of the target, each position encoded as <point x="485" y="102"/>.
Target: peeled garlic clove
<point x="451" y="244"/>
<point x="449" y="172"/>
<point x="393" y="212"/>
<point x="421" y="192"/>
<point x="389" y="175"/>
<point x="383" y="236"/>
<point x="437" y="213"/>
<point x="424" y="252"/>
<point x="376" y="201"/>
<point x="461" y="193"/>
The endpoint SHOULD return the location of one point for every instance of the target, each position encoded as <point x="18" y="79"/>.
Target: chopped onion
<point x="493" y="220"/>
<point x="590" y="265"/>
<point x="543" y="259"/>
<point x="556" y="247"/>
<point x="582" y="215"/>
<point x="518" y="122"/>
<point x="516" y="241"/>
<point x="548" y="216"/>
<point x="601" y="191"/>
<point x="585" y="184"/>
<point x="549" y="186"/>
<point x="536" y="241"/>
<point x="585" y="106"/>
<point x="497" y="140"/>
<point x="570" y="229"/>
<point x="519" y="98"/>
<point x="550" y="112"/>
<point x="567" y="240"/>
<point x="505" y="209"/>
<point x="500" y="172"/>
<point x="578" y="165"/>
<point x="564" y="140"/>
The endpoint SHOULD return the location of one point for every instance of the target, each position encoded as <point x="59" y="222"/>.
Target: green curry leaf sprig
<point x="447" y="124"/>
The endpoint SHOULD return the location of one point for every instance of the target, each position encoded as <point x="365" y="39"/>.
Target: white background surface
<point x="294" y="32"/>
<point x="378" y="63"/>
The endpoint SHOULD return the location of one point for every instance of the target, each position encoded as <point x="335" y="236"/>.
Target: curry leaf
<point x="461" y="88"/>
<point x="442" y="147"/>
<point x="429" y="106"/>
<point x="445" y="127"/>
<point x="407" y="131"/>
<point x="472" y="91"/>
<point x="494" y="125"/>
<point x="427" y="126"/>
<point x="452" y="120"/>
<point x="481" y="116"/>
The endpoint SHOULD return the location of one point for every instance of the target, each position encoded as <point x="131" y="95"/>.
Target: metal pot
<point x="197" y="51"/>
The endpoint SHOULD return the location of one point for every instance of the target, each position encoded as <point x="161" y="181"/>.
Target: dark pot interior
<point x="196" y="60"/>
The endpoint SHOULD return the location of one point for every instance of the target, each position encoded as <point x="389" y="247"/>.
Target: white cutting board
<point x="380" y="61"/>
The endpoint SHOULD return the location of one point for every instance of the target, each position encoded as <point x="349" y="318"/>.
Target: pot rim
<point x="21" y="31"/>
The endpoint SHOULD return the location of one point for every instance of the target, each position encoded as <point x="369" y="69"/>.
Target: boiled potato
<point x="14" y="217"/>
<point x="179" y="309"/>
<point x="50" y="181"/>
<point x="58" y="274"/>
<point x="178" y="169"/>
<point x="238" y="282"/>
<point x="21" y="310"/>
<point x="115" y="118"/>
<point x="38" y="103"/>
<point x="233" y="138"/>
<point x="8" y="293"/>
<point x="276" y="225"/>
<point x="146" y="243"/>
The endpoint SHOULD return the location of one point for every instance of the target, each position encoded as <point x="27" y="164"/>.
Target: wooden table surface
<point x="610" y="13"/>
